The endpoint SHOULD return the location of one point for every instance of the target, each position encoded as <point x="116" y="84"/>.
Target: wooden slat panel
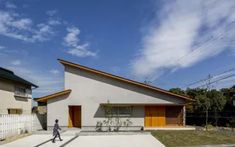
<point x="161" y="121"/>
<point x="147" y="117"/>
<point x="155" y="116"/>
<point x="174" y="115"/>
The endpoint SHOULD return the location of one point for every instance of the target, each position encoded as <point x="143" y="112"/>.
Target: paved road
<point x="71" y="140"/>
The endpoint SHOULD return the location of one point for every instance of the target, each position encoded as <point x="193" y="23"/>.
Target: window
<point x="122" y="111"/>
<point x="14" y="111"/>
<point x="20" y="91"/>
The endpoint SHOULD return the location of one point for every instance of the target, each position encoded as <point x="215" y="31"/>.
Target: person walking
<point x="56" y="132"/>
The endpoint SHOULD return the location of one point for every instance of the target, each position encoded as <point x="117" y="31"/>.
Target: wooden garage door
<point x="174" y="115"/>
<point x="155" y="116"/>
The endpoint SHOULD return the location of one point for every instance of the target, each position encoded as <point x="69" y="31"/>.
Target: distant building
<point x="15" y="93"/>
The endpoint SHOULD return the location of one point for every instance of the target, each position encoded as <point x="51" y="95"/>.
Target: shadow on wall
<point x="137" y="112"/>
<point x="6" y="85"/>
<point x="124" y="85"/>
<point x="42" y="118"/>
<point x="41" y="113"/>
<point x="58" y="99"/>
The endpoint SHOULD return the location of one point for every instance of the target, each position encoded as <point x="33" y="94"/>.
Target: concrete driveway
<point x="43" y="140"/>
<point x="116" y="141"/>
<point x="37" y="140"/>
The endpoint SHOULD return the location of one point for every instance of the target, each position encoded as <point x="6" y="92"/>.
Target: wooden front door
<point x="74" y="116"/>
<point x="154" y="116"/>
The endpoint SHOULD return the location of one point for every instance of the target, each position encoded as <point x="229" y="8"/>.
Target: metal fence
<point x="223" y="119"/>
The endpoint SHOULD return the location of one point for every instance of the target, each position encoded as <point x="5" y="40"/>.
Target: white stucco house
<point x="15" y="93"/>
<point x="92" y="97"/>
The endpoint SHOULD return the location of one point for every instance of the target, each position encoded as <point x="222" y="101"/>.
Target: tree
<point x="229" y="93"/>
<point x="177" y="91"/>
<point x="201" y="103"/>
<point x="228" y="110"/>
<point x="206" y="101"/>
<point x="196" y="94"/>
<point x="217" y="102"/>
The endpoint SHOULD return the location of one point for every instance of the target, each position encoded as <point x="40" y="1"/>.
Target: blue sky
<point x="171" y="43"/>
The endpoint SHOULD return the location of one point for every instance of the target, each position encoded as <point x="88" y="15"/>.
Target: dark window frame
<point x="14" y="111"/>
<point x="20" y="91"/>
<point x="121" y="111"/>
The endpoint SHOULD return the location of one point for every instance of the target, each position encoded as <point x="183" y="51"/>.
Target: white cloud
<point x="51" y="12"/>
<point x="16" y="62"/>
<point x="54" y="71"/>
<point x="2" y="47"/>
<point x="54" y="22"/>
<point x="71" y="40"/>
<point x="42" y="33"/>
<point x="15" y="26"/>
<point x="187" y="33"/>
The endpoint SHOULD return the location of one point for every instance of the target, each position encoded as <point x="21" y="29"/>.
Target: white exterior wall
<point x="58" y="109"/>
<point x="89" y="90"/>
<point x="8" y="99"/>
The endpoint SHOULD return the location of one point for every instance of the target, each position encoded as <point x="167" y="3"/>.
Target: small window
<point x="14" y="111"/>
<point x="122" y="111"/>
<point x="20" y="91"/>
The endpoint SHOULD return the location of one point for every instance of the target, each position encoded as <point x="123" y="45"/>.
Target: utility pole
<point x="207" y="102"/>
<point x="208" y="85"/>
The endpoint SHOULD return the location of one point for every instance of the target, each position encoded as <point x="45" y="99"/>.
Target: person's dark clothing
<point x="56" y="132"/>
<point x="56" y="129"/>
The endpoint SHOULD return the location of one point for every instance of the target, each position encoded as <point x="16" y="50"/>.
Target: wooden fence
<point x="11" y="125"/>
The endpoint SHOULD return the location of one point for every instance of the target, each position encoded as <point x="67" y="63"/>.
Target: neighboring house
<point x="89" y="93"/>
<point x="15" y="93"/>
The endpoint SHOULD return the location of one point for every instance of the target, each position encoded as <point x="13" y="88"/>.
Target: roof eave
<point x="54" y="95"/>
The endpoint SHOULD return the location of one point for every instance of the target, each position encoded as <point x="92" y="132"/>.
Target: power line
<point x="229" y="76"/>
<point x="202" y="80"/>
<point x="213" y="77"/>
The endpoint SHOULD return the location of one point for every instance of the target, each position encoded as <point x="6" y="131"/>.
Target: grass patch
<point x="188" y="138"/>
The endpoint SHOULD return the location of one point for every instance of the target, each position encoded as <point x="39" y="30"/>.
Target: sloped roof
<point x="105" y="74"/>
<point x="54" y="95"/>
<point x="9" y="75"/>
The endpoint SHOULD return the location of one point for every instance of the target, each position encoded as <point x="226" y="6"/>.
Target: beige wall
<point x="8" y="100"/>
<point x="89" y="90"/>
<point x="57" y="108"/>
